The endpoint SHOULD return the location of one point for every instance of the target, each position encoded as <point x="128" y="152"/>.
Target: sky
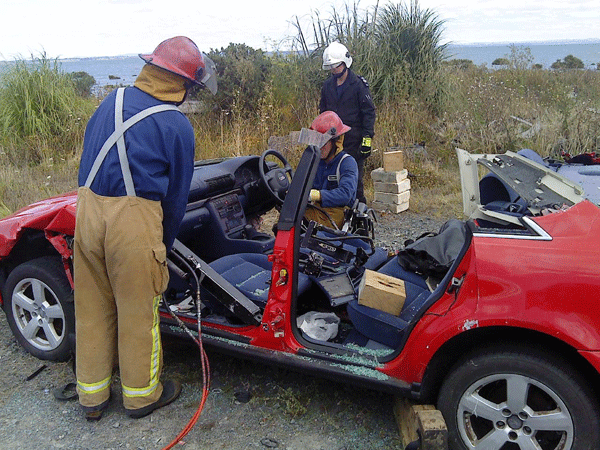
<point x="91" y="28"/>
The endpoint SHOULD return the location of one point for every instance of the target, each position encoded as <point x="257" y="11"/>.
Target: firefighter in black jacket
<point x="348" y="95"/>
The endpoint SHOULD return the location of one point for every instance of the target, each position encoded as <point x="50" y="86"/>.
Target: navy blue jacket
<point x="160" y="150"/>
<point x="333" y="192"/>
<point x="354" y="106"/>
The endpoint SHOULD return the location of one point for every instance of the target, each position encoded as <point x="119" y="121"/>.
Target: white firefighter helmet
<point x="334" y="55"/>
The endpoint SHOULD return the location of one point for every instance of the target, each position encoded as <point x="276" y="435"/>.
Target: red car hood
<point x="56" y="214"/>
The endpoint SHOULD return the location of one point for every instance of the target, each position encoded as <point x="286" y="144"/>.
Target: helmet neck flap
<point x="161" y="84"/>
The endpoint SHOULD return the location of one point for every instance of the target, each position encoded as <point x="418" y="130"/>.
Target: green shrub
<point x="569" y="62"/>
<point x="520" y="57"/>
<point x="83" y="83"/>
<point x="408" y="39"/>
<point x="460" y="64"/>
<point x="242" y="74"/>
<point x="500" y="62"/>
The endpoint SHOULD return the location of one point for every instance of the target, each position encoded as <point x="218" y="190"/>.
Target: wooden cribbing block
<point x="421" y="420"/>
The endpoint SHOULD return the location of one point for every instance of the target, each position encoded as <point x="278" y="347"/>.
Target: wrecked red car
<point x="503" y="335"/>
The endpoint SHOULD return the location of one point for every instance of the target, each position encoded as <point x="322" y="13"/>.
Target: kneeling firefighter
<point x="334" y="186"/>
<point x="134" y="179"/>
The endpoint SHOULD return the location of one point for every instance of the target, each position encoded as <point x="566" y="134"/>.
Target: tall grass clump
<point x="41" y="114"/>
<point x="397" y="48"/>
<point x="409" y="53"/>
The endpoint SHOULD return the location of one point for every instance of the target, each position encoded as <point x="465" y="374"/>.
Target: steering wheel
<point x="276" y="180"/>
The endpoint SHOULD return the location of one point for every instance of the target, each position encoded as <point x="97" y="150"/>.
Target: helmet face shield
<point x="207" y="76"/>
<point x="332" y="65"/>
<point x="313" y="137"/>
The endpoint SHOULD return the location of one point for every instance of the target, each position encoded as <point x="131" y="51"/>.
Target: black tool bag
<point x="432" y="254"/>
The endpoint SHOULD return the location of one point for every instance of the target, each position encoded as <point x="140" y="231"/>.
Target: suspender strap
<point x="125" y="170"/>
<point x="118" y="137"/>
<point x="336" y="177"/>
<point x="337" y="170"/>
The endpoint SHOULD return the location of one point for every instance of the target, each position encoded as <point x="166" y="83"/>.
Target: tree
<point x="569" y="62"/>
<point x="500" y="62"/>
<point x="242" y="73"/>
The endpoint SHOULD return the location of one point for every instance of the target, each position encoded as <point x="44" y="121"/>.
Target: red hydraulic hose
<point x="205" y="371"/>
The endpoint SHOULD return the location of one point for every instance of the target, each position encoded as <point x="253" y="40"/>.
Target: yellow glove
<point x="365" y="148"/>
<point x="315" y="195"/>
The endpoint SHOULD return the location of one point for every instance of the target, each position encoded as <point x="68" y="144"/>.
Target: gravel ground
<point x="391" y="230"/>
<point x="250" y="406"/>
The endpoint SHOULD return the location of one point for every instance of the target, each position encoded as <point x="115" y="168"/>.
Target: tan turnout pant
<point x="120" y="272"/>
<point x="336" y="213"/>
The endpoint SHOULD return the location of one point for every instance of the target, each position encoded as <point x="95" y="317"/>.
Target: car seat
<point x="391" y="330"/>
<point x="384" y="327"/>
<point x="250" y="273"/>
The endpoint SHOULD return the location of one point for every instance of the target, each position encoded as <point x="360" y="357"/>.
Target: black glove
<point x="365" y="148"/>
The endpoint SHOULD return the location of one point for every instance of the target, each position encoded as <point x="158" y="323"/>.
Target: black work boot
<point x="94" y="413"/>
<point x="171" y="390"/>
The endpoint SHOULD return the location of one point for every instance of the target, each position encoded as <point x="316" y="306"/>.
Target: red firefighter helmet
<point x="329" y="123"/>
<point x="179" y="55"/>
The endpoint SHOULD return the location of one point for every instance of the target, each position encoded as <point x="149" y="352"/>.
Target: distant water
<point x="106" y="71"/>
<point x="124" y="69"/>
<point x="544" y="54"/>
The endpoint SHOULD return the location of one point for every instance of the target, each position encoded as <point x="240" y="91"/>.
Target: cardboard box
<point x="382" y="292"/>
<point x="393" y="161"/>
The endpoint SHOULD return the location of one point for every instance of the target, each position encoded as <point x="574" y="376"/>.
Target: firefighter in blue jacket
<point x="334" y="186"/>
<point x="134" y="180"/>
<point x="348" y="95"/>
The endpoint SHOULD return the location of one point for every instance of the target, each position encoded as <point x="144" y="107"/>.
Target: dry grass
<point x="487" y="113"/>
<point x="20" y="186"/>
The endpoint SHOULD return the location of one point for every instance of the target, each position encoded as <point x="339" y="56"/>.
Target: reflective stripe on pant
<point x="119" y="273"/>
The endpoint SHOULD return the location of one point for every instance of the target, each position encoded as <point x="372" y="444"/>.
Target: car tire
<point x="549" y="405"/>
<point x="39" y="308"/>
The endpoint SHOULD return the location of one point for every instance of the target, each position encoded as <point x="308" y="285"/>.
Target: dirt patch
<point x="250" y="406"/>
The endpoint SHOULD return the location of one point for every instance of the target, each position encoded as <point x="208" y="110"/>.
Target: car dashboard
<point x="224" y="195"/>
